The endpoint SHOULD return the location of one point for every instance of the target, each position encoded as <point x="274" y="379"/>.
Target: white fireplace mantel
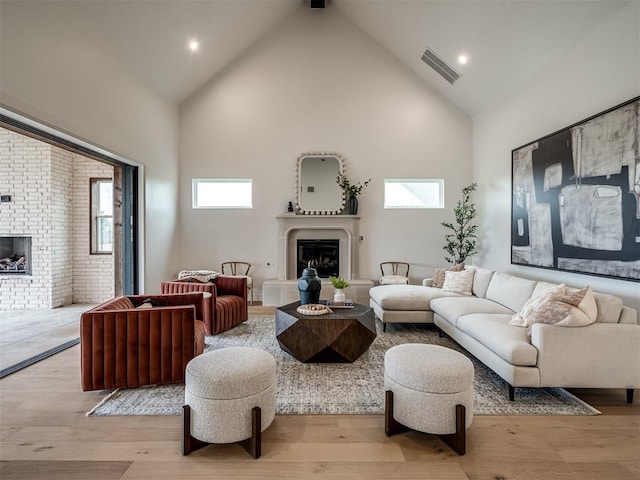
<point x="345" y="228"/>
<point x="291" y="228"/>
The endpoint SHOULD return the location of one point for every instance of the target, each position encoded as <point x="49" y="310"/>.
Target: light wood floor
<point x="44" y="434"/>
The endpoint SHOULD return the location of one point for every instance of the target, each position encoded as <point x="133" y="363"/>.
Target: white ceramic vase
<point x="338" y="295"/>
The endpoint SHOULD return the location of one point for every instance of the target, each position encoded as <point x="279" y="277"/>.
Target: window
<point x="415" y="193"/>
<point x="101" y="215"/>
<point x="222" y="193"/>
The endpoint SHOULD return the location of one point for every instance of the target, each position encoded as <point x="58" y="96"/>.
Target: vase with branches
<point x="351" y="191"/>
<point x="462" y="241"/>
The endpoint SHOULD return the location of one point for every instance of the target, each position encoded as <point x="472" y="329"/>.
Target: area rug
<point x="344" y="388"/>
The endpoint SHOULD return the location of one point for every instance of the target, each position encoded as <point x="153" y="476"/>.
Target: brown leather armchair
<point x="227" y="306"/>
<point x="124" y="345"/>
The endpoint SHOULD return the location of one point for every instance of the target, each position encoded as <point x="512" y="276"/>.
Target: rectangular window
<point x="414" y="193"/>
<point x="101" y="215"/>
<point x="222" y="193"/>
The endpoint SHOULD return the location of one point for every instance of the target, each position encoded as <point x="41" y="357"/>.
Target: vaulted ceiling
<point x="509" y="43"/>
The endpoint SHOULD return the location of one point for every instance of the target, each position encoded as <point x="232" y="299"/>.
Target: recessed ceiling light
<point x="462" y="59"/>
<point x="193" y="45"/>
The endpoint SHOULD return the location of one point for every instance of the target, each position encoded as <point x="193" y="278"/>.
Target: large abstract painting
<point x="576" y="197"/>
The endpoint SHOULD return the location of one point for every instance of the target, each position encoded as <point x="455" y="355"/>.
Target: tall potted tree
<point x="462" y="241"/>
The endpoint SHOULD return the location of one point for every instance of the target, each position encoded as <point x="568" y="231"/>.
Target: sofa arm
<point x="601" y="355"/>
<point x="132" y="347"/>
<point x="427" y="282"/>
<point x="228" y="285"/>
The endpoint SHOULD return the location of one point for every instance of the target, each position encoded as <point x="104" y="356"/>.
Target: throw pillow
<point x="521" y="319"/>
<point x="458" y="282"/>
<point x="574" y="309"/>
<point x="438" y="274"/>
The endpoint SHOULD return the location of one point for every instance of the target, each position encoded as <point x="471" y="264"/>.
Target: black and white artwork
<point x="576" y="197"/>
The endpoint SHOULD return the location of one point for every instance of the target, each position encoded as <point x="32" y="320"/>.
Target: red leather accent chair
<point x="124" y="346"/>
<point x="227" y="306"/>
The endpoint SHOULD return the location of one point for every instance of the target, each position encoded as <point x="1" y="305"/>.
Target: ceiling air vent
<point x="432" y="59"/>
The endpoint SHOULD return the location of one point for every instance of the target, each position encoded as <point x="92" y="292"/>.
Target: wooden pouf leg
<point x="189" y="443"/>
<point x="457" y="441"/>
<point x="391" y="425"/>
<point x="253" y="445"/>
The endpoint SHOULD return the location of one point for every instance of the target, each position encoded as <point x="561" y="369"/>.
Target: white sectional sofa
<point x="605" y="354"/>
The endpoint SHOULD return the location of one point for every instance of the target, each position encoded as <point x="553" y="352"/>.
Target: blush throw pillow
<point x="522" y="318"/>
<point x="569" y="309"/>
<point x="458" y="282"/>
<point x="438" y="274"/>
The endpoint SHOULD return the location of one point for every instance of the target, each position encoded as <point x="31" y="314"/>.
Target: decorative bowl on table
<point x="313" y="309"/>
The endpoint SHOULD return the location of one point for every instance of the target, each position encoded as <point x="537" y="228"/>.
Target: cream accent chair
<point x="394" y="273"/>
<point x="239" y="269"/>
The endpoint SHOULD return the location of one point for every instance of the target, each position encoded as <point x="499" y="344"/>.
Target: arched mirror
<point x="316" y="189"/>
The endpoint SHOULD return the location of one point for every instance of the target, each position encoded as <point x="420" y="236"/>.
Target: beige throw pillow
<point x="458" y="282"/>
<point x="574" y="309"/>
<point x="438" y="274"/>
<point x="522" y="318"/>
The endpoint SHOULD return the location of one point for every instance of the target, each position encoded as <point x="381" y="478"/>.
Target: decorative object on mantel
<point x="461" y="243"/>
<point x="290" y="207"/>
<point x="316" y="191"/>
<point x="351" y="191"/>
<point x="309" y="286"/>
<point x="339" y="284"/>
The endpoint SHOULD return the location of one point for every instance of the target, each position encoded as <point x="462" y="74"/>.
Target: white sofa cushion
<point x="394" y="280"/>
<point x="609" y="308"/>
<point x="510" y="291"/>
<point x="495" y="333"/>
<point x="453" y="308"/>
<point x="407" y="297"/>
<point x="481" y="280"/>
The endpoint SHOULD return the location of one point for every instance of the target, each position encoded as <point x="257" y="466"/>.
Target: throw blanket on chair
<point x="200" y="275"/>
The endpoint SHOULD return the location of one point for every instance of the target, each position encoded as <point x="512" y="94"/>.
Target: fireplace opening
<point x="15" y="255"/>
<point x="323" y="255"/>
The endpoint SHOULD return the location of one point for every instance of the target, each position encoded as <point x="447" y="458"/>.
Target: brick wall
<point x="40" y="180"/>
<point x="92" y="274"/>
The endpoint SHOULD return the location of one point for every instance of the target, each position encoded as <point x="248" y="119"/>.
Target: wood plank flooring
<point x="45" y="434"/>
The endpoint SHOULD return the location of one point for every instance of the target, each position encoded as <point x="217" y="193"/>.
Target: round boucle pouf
<point x="427" y="382"/>
<point x="222" y="387"/>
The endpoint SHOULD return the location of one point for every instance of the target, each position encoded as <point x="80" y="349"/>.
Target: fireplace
<point x="321" y="254"/>
<point x="15" y="255"/>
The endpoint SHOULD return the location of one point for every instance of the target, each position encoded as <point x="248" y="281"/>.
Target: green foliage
<point x="461" y="243"/>
<point x="338" y="282"/>
<point x="349" y="189"/>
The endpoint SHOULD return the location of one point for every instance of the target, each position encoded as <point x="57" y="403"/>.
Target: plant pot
<point x="352" y="206"/>
<point x="338" y="295"/>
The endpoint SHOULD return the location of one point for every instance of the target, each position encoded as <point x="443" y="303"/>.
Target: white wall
<point x="318" y="83"/>
<point x="79" y="89"/>
<point x="598" y="73"/>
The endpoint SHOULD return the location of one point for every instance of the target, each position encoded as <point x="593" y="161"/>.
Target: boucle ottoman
<point x="429" y="388"/>
<point x="230" y="396"/>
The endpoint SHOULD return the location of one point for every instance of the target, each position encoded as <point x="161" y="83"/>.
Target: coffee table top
<point x="341" y="336"/>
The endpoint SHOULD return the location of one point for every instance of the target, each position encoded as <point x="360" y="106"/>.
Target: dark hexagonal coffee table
<point x="340" y="337"/>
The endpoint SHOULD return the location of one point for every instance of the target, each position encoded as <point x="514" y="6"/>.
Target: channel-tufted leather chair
<point x="124" y="344"/>
<point x="227" y="306"/>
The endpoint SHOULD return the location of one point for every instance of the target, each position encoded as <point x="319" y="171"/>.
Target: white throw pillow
<point x="458" y="282"/>
<point x="575" y="309"/>
<point x="522" y="318"/>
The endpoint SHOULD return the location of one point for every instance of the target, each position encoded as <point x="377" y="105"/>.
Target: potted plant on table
<point x="339" y="284"/>
<point x="351" y="191"/>
<point x="461" y="243"/>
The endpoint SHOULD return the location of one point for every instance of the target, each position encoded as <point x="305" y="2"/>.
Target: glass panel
<point x="419" y="193"/>
<point x="222" y="193"/>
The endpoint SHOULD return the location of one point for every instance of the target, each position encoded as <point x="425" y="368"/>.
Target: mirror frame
<point x="340" y="159"/>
